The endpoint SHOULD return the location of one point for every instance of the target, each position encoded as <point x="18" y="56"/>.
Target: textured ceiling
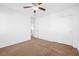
<point x="50" y="8"/>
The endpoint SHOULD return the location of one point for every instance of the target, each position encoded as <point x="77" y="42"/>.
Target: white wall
<point x="78" y="25"/>
<point x="59" y="27"/>
<point x="14" y="27"/>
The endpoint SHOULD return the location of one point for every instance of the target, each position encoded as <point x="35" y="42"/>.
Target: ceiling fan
<point x="35" y="7"/>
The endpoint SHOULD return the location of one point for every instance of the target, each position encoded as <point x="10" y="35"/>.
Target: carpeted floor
<point x="39" y="47"/>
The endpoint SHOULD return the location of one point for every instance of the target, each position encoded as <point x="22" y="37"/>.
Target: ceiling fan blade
<point x="42" y="8"/>
<point x="35" y="4"/>
<point x="27" y="6"/>
<point x="39" y="3"/>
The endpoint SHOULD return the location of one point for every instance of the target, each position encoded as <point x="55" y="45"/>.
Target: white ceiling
<point x="50" y="8"/>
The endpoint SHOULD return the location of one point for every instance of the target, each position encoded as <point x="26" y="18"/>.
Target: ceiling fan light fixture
<point x="35" y="7"/>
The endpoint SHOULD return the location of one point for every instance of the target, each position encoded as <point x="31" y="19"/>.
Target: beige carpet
<point x="39" y="47"/>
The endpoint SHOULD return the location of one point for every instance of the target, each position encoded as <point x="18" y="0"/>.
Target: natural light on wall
<point x="3" y="26"/>
<point x="60" y="26"/>
<point x="56" y="28"/>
